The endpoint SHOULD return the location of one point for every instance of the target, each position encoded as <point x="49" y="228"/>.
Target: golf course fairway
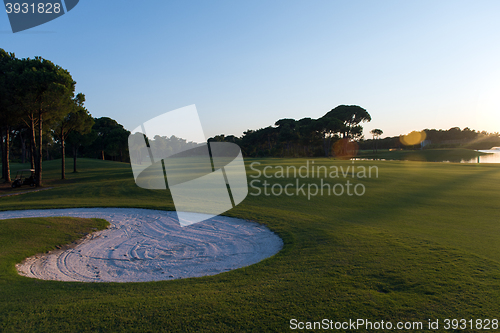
<point x="420" y="243"/>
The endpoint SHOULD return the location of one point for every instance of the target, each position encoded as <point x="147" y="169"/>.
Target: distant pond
<point x="437" y="155"/>
<point x="492" y="157"/>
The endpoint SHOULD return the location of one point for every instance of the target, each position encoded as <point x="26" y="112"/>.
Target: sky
<point x="411" y="64"/>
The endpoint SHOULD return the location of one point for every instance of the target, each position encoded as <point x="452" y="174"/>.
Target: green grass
<point x="21" y="238"/>
<point x="427" y="155"/>
<point x="421" y="243"/>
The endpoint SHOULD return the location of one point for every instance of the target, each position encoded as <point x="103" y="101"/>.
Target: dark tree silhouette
<point x="376" y="135"/>
<point x="78" y="120"/>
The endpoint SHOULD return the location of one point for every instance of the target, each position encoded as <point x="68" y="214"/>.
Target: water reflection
<point x="492" y="157"/>
<point x="447" y="156"/>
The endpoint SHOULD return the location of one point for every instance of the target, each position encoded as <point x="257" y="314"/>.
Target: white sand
<point x="149" y="245"/>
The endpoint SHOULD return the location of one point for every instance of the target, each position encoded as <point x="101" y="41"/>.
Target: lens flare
<point x="345" y="149"/>
<point x="413" y="138"/>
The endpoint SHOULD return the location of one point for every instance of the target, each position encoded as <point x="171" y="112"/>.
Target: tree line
<point x="452" y="138"/>
<point x="40" y="116"/>
<point x="340" y="130"/>
<point x="306" y="137"/>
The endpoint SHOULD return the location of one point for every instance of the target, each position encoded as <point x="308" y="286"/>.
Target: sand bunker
<point x="149" y="245"/>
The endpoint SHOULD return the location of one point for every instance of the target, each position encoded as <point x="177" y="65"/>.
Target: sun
<point x="488" y="110"/>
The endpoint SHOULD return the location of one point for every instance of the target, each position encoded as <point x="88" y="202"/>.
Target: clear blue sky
<point x="245" y="64"/>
